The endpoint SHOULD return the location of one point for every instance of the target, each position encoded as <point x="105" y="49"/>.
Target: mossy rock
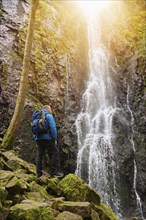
<point x="17" y="163"/>
<point x="3" y="194"/>
<point x="5" y="176"/>
<point x="16" y="185"/>
<point x="68" y="216"/>
<point x="53" y="188"/>
<point x="4" y="165"/>
<point x="36" y="196"/>
<point x="30" y="210"/>
<point x="4" y="209"/>
<point x="34" y="187"/>
<point x="26" y="177"/>
<point x="105" y="213"/>
<point x="75" y="189"/>
<point x="81" y="208"/>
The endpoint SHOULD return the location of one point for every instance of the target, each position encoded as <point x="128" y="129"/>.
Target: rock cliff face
<point x="58" y="75"/>
<point x="58" y="68"/>
<point x="125" y="41"/>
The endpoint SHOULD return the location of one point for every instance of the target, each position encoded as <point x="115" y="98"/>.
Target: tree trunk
<point x="13" y="128"/>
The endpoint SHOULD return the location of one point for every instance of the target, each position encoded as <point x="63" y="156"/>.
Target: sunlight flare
<point x="90" y="6"/>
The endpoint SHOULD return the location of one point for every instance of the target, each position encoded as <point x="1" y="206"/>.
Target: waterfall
<point x="96" y="161"/>
<point x="138" y="200"/>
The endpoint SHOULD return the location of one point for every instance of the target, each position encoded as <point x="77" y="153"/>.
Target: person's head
<point x="48" y="108"/>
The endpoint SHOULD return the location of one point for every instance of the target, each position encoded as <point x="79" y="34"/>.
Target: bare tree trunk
<point x="13" y="128"/>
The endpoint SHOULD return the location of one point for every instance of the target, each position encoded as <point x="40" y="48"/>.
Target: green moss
<point x="24" y="212"/>
<point x="4" y="165"/>
<point x="31" y="210"/>
<point x="52" y="186"/>
<point x="34" y="187"/>
<point x="46" y="214"/>
<point x="75" y="189"/>
<point x="105" y="213"/>
<point x="34" y="196"/>
<point x="15" y="56"/>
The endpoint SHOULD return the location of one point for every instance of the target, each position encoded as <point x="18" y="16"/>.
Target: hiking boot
<point x="58" y="174"/>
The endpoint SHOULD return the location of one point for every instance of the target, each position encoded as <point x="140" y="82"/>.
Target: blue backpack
<point x="39" y="123"/>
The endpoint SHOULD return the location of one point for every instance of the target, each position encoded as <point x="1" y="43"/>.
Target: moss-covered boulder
<point x="16" y="185"/>
<point x="52" y="187"/>
<point x="80" y="208"/>
<point x="5" y="177"/>
<point x="4" y="165"/>
<point x="40" y="190"/>
<point x="20" y="174"/>
<point x="4" y="209"/>
<point x="68" y="216"/>
<point x="30" y="210"/>
<point x="75" y="189"/>
<point x="105" y="213"/>
<point x="17" y="163"/>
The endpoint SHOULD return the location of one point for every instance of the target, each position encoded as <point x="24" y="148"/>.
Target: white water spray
<point x="138" y="200"/>
<point x="96" y="162"/>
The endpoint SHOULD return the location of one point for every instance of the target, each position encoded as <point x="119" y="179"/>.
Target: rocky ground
<point x="23" y="196"/>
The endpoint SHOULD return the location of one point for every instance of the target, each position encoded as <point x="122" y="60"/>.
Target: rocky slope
<point x="25" y="197"/>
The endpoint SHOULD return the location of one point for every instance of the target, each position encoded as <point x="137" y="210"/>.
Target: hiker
<point x="47" y="141"/>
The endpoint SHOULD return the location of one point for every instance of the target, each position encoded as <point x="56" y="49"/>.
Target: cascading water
<point x="138" y="200"/>
<point x="95" y="162"/>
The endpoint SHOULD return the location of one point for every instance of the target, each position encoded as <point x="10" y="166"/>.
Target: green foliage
<point x="130" y="33"/>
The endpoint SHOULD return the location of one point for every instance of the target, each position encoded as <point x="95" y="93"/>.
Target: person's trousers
<point x="53" y="153"/>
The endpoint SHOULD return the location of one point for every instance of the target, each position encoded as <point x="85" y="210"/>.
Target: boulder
<point x="4" y="165"/>
<point x="40" y="190"/>
<point x="75" y="189"/>
<point x="17" y="163"/>
<point x="16" y="185"/>
<point x="5" y="177"/>
<point x="4" y="209"/>
<point x="80" y="208"/>
<point x="68" y="216"/>
<point x="105" y="213"/>
<point x="28" y="210"/>
<point x="26" y="177"/>
<point x="52" y="187"/>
